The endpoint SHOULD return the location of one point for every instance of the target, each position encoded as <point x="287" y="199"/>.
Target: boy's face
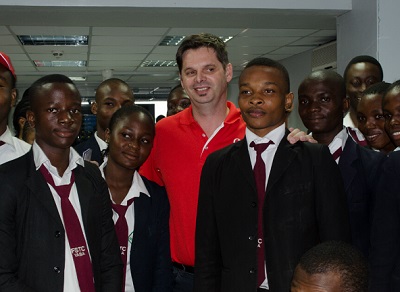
<point x="56" y="116"/>
<point x="371" y="121"/>
<point x="109" y="99"/>
<point x="303" y="282"/>
<point x="203" y="76"/>
<point x="178" y="102"/>
<point x="8" y="94"/>
<point x="321" y="107"/>
<point x="263" y="99"/>
<point x="131" y="141"/>
<point x="359" y="77"/>
<point x="391" y="111"/>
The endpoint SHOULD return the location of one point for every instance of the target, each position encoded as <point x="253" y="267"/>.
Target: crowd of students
<point x="191" y="203"/>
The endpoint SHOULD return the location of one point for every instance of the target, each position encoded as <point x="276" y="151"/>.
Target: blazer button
<point x="57" y="234"/>
<point x="251" y="237"/>
<point x="254" y="204"/>
<point x="57" y="270"/>
<point x="252" y="271"/>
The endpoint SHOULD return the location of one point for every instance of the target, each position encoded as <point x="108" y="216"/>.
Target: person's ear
<point x="93" y="108"/>
<point x="229" y="72"/>
<point x="289" y="102"/>
<point x="107" y="135"/>
<point x="30" y="116"/>
<point x="13" y="97"/>
<point x="346" y="105"/>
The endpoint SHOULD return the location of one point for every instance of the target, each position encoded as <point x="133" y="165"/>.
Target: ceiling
<point x="121" y="39"/>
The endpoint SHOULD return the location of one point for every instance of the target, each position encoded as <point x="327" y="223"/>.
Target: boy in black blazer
<point x="41" y="247"/>
<point x="304" y="201"/>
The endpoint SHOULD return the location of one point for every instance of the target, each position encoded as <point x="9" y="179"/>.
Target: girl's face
<point x="130" y="141"/>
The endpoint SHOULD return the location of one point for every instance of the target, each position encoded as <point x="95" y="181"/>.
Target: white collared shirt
<point x="71" y="282"/>
<point x="276" y="136"/>
<point x="102" y="144"/>
<point x="137" y="187"/>
<point x="13" y="147"/>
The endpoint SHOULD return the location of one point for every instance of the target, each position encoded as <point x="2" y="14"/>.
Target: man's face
<point x="359" y="77"/>
<point x="110" y="98"/>
<point x="203" y="77"/>
<point x="303" y="282"/>
<point x="391" y="112"/>
<point x="7" y="94"/>
<point x="371" y="122"/>
<point x="321" y="106"/>
<point x="263" y="99"/>
<point x="56" y="116"/>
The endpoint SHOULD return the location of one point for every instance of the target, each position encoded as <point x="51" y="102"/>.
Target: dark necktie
<point x="260" y="177"/>
<point x="2" y="143"/>
<point x="121" y="228"/>
<point x="76" y="240"/>
<point x="353" y="134"/>
<point x="337" y="153"/>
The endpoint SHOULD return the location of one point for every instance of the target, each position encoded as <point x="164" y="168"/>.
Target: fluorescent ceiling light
<point x="175" y="40"/>
<point x="159" y="63"/>
<point x="60" y="63"/>
<point x="78" y="78"/>
<point x="53" y="40"/>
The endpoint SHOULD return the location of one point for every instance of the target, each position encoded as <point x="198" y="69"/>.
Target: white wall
<point x="299" y="66"/>
<point x="389" y="38"/>
<point x="357" y="32"/>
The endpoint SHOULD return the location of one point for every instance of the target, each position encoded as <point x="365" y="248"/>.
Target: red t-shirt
<point x="176" y="162"/>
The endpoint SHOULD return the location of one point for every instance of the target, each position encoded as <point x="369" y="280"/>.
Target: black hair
<point x="377" y="88"/>
<point x="113" y="81"/>
<point x="363" y="59"/>
<point x="341" y="258"/>
<point x="52" y="78"/>
<point x="203" y="40"/>
<point x="324" y="75"/>
<point x="394" y="85"/>
<point x="20" y="111"/>
<point x="261" y="61"/>
<point x="126" y="111"/>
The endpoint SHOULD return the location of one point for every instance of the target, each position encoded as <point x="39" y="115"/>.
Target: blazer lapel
<point x="283" y="157"/>
<point x="85" y="190"/>
<point x="142" y="206"/>
<point x="347" y="158"/>
<point x="244" y="163"/>
<point x="39" y="188"/>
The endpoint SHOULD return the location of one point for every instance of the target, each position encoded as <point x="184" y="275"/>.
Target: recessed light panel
<point x="53" y="40"/>
<point x="159" y="63"/>
<point x="60" y="63"/>
<point x="175" y="40"/>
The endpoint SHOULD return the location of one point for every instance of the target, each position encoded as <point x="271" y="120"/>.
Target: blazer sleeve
<point x="331" y="201"/>
<point x="208" y="263"/>
<point x="9" y="281"/>
<point x="163" y="268"/>
<point x="385" y="234"/>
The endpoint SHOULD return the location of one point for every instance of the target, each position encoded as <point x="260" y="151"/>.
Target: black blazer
<point x="32" y="236"/>
<point x="90" y="143"/>
<point x="151" y="265"/>
<point x="385" y="236"/>
<point x="304" y="205"/>
<point x="361" y="169"/>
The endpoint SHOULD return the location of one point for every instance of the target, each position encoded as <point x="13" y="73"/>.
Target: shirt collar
<point x="40" y="158"/>
<point x="276" y="136"/>
<point x="339" y="140"/>
<point x="102" y="144"/>
<point x="7" y="137"/>
<point x="138" y="187"/>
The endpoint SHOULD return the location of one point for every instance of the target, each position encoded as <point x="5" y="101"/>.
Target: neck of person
<point x="101" y="133"/>
<point x="353" y="116"/>
<point x="59" y="158"/>
<point x="326" y="138"/>
<point x="119" y="180"/>
<point x="210" y="116"/>
<point x="3" y="126"/>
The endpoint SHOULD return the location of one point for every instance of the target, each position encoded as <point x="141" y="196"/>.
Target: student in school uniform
<point x="56" y="228"/>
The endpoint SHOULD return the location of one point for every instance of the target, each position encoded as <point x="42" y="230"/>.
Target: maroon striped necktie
<point x="77" y="243"/>
<point x="337" y="153"/>
<point x="2" y="143"/>
<point x="121" y="228"/>
<point x="260" y="177"/>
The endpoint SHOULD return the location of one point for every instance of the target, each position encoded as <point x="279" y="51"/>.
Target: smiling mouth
<point x="372" y="137"/>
